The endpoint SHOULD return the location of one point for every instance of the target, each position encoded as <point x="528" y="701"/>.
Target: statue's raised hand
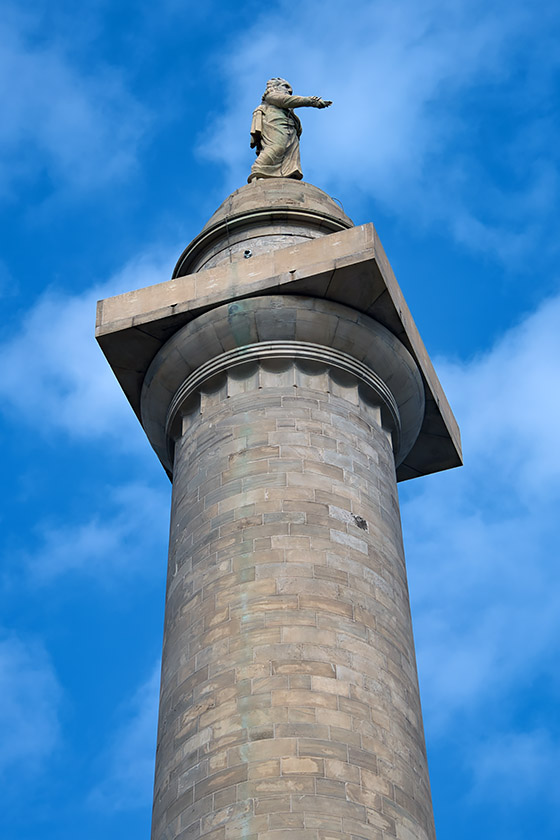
<point x="320" y="103"/>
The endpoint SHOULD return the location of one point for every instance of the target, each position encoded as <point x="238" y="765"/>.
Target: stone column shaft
<point x="289" y="701"/>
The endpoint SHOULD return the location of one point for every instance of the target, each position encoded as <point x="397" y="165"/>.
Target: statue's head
<point x="278" y="84"/>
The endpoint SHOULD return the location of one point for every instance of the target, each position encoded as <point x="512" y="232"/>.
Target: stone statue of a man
<point x="275" y="131"/>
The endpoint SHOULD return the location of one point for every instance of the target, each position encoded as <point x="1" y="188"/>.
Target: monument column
<point x="285" y="389"/>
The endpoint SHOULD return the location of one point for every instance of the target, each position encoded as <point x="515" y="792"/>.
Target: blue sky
<point x="124" y="125"/>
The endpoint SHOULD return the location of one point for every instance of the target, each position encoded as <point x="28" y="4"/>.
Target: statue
<point x="275" y="131"/>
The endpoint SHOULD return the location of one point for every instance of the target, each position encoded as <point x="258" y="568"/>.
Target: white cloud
<point x="513" y="768"/>
<point x="517" y="403"/>
<point x="54" y="375"/>
<point x="120" y="539"/>
<point x="129" y="758"/>
<point x="482" y="541"/>
<point x="81" y="128"/>
<point x="29" y="701"/>
<point x="400" y="74"/>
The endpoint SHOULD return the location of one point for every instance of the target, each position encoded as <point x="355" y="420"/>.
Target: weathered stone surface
<point x="290" y="717"/>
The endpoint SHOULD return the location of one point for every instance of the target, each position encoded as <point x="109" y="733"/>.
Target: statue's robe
<point x="275" y="133"/>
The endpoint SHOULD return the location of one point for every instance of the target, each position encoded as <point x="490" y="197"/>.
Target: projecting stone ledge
<point x="347" y="267"/>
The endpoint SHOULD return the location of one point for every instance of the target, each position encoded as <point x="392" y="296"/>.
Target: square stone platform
<point x="348" y="267"/>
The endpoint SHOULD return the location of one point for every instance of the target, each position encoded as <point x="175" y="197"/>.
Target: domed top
<point x="279" y="194"/>
<point x="262" y="216"/>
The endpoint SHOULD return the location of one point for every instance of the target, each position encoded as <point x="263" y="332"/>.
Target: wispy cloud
<point x="120" y="538"/>
<point x="80" y="129"/>
<point x="52" y="366"/>
<point x="482" y="541"/>
<point x="515" y="767"/>
<point x="29" y="703"/>
<point x="400" y="130"/>
<point x="129" y="758"/>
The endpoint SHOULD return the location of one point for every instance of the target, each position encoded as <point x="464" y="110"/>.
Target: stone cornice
<point x="348" y="267"/>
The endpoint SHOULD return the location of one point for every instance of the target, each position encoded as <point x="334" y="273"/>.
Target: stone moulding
<point x="251" y="226"/>
<point x="290" y="327"/>
<point x="373" y="388"/>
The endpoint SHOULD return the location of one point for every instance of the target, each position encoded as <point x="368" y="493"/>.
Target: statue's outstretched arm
<point x="285" y="100"/>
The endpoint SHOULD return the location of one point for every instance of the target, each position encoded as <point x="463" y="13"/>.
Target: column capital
<point x="288" y="327"/>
